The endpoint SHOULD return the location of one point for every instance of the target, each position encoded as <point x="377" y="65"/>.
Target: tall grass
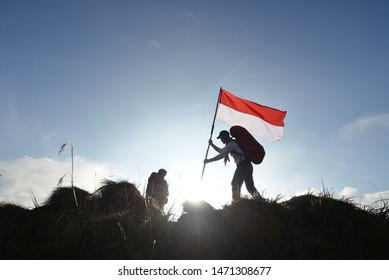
<point x="115" y="222"/>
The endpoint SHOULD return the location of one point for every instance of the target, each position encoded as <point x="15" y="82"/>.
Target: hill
<point x="116" y="222"/>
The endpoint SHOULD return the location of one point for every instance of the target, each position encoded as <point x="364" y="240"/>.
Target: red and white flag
<point x="260" y="120"/>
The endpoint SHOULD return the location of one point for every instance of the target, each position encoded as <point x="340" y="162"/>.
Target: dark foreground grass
<point x="115" y="222"/>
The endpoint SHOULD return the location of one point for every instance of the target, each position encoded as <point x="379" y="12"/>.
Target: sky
<point x="133" y="87"/>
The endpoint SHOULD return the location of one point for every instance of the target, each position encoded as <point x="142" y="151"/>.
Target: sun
<point x="190" y="187"/>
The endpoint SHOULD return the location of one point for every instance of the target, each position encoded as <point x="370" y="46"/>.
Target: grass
<point x="115" y="222"/>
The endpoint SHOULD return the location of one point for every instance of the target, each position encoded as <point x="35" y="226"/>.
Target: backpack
<point x="252" y="149"/>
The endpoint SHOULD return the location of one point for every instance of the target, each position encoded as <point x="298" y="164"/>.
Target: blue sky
<point x="133" y="86"/>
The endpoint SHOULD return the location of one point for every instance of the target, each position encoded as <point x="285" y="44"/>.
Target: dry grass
<point x="115" y="222"/>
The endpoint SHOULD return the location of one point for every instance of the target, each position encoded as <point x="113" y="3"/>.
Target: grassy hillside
<point x="115" y="222"/>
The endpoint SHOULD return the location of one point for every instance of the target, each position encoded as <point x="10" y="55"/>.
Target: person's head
<point x="162" y="173"/>
<point x="224" y="136"/>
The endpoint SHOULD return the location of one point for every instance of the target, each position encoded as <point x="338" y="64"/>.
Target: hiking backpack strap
<point x="243" y="154"/>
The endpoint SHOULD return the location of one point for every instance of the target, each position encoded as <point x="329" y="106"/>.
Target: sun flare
<point x="190" y="187"/>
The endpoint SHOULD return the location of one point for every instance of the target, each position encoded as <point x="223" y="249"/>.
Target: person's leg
<point x="249" y="181"/>
<point x="236" y="183"/>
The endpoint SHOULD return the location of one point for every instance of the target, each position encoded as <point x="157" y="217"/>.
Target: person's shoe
<point x="257" y="196"/>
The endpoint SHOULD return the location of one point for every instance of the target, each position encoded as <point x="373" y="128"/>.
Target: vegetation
<point x="116" y="222"/>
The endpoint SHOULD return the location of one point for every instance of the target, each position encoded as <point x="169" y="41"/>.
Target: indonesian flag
<point x="260" y="120"/>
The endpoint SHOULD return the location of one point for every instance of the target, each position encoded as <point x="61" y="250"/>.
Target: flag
<point x="260" y="120"/>
<point x="61" y="148"/>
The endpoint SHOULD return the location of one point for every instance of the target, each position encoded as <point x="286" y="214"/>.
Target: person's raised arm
<point x="216" y="148"/>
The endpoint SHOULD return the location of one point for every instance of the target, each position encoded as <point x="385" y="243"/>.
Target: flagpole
<point x="213" y="126"/>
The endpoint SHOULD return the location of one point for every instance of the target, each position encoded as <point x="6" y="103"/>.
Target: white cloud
<point x="365" y="123"/>
<point x="40" y="176"/>
<point x="153" y="44"/>
<point x="350" y="192"/>
<point x="369" y="199"/>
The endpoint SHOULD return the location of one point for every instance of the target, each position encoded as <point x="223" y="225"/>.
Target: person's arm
<point x="222" y="153"/>
<point x="216" y="148"/>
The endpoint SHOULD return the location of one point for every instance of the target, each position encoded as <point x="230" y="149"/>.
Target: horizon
<point x="184" y="189"/>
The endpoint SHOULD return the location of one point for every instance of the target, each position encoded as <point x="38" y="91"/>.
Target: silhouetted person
<point x="244" y="168"/>
<point x="157" y="188"/>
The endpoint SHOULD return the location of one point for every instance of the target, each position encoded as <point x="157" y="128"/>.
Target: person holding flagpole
<point x="263" y="121"/>
<point x="244" y="167"/>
